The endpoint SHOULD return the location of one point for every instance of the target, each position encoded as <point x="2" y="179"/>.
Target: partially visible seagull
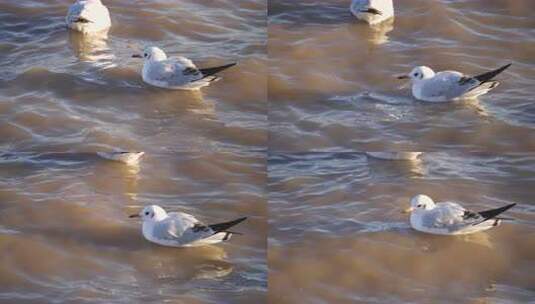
<point x="395" y="155"/>
<point x="177" y="229"/>
<point x="88" y="16"/>
<point x="450" y="85"/>
<point x="129" y="158"/>
<point x="176" y="73"/>
<point x="372" y="11"/>
<point x="450" y="218"/>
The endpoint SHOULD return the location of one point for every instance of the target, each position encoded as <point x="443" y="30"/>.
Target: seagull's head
<point x="420" y="202"/>
<point x="151" y="213"/>
<point x="152" y="53"/>
<point x="419" y="73"/>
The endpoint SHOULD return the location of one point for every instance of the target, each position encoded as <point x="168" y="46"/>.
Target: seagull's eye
<point x="415" y="74"/>
<point x="420" y="206"/>
<point x="147" y="213"/>
<point x="145" y="55"/>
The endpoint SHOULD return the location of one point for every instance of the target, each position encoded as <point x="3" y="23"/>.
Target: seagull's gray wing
<point x="181" y="229"/>
<point x="448" y="216"/>
<point x="448" y="84"/>
<point x="452" y="84"/>
<point x="188" y="68"/>
<point x="173" y="73"/>
<point x="174" y="227"/>
<point x="451" y="218"/>
<point x="169" y="230"/>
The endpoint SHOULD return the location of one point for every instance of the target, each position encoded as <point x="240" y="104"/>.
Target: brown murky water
<point x="61" y="92"/>
<point x="332" y="84"/>
<point x="263" y="142"/>
<point x="66" y="236"/>
<point x="337" y="234"/>
<point x="64" y="231"/>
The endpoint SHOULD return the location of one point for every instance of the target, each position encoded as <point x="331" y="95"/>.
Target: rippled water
<point x="273" y="140"/>
<point x="332" y="84"/>
<point x="64" y="227"/>
<point x="66" y="236"/>
<point x="63" y="92"/>
<point x="337" y="234"/>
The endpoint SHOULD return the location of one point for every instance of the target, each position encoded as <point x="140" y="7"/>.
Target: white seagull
<point x="88" y="16"/>
<point x="372" y="11"/>
<point x="450" y="218"/>
<point x="129" y="158"/>
<point x="177" y="229"/>
<point x="450" y="85"/>
<point x="176" y="73"/>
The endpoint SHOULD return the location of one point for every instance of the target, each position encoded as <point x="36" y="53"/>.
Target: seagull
<point x="88" y="16"/>
<point x="177" y="73"/>
<point x="395" y="155"/>
<point x="177" y="229"/>
<point x="450" y="85"/>
<point x="129" y="158"/>
<point x="372" y="11"/>
<point x="450" y="218"/>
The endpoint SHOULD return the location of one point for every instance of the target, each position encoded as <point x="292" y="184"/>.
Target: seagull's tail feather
<point x="212" y="78"/>
<point x="239" y="233"/>
<point x="213" y="239"/>
<point x="504" y="218"/>
<point x="493" y="213"/>
<point x="481" y="89"/>
<point x="212" y="71"/>
<point x="223" y="227"/>
<point x="489" y="75"/>
<point x="227" y="236"/>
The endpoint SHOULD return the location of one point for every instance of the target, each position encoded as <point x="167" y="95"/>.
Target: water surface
<point x="66" y="236"/>
<point x="60" y="91"/>
<point x="337" y="234"/>
<point x="332" y="85"/>
<point x="64" y="227"/>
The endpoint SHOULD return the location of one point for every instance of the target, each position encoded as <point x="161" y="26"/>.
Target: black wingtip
<point x="223" y="227"/>
<point x="485" y="77"/>
<point x="490" y="214"/>
<point x="206" y="72"/>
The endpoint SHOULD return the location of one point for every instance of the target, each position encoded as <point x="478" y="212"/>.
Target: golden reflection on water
<point x="376" y="35"/>
<point x="73" y="209"/>
<point x="338" y="234"/>
<point x="92" y="48"/>
<point x="320" y="52"/>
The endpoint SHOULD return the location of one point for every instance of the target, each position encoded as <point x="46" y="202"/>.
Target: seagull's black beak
<point x="372" y="11"/>
<point x="134" y="215"/>
<point x="403" y="77"/>
<point x="137" y="56"/>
